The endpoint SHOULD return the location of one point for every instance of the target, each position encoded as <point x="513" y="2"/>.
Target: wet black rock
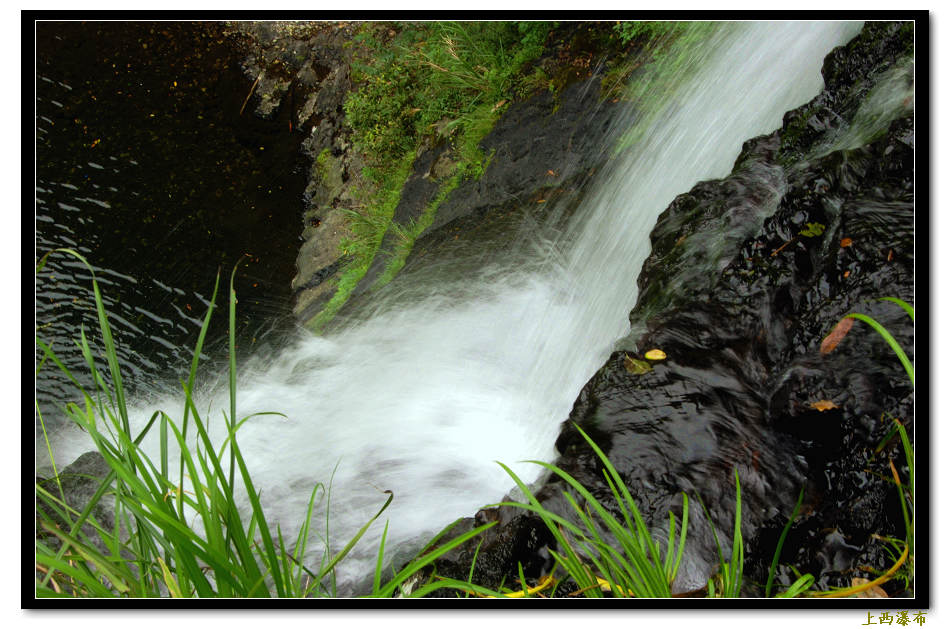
<point x="818" y="221"/>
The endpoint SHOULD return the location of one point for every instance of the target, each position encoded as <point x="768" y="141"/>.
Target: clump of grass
<point x="429" y="78"/>
<point x="605" y="553"/>
<point x="406" y="236"/>
<point x="190" y="537"/>
<point x="366" y="227"/>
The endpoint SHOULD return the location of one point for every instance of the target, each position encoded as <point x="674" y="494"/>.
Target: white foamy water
<point x="424" y="396"/>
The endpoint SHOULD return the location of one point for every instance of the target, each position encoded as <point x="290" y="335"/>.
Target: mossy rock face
<point x="744" y="372"/>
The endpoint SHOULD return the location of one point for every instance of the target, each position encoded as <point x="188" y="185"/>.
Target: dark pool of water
<point x="149" y="163"/>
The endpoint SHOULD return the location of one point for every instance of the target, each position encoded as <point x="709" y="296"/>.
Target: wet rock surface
<point x="743" y="384"/>
<point x="303" y="68"/>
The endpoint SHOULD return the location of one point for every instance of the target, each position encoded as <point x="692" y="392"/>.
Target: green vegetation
<point x="629" y="564"/>
<point x="424" y="84"/>
<point x="152" y="547"/>
<point x="420" y="85"/>
<point x="420" y="81"/>
<point x="366" y="227"/>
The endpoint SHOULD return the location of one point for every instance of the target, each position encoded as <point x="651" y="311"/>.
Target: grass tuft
<point x="604" y="553"/>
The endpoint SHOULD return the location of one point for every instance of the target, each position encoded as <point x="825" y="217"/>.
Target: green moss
<point x="409" y="234"/>
<point x="321" y="164"/>
<point x="366" y="225"/>
<point x="419" y="84"/>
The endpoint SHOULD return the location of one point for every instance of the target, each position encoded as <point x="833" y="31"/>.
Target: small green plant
<point x="670" y="53"/>
<point x="727" y="583"/>
<point x="647" y="32"/>
<point x="804" y="582"/>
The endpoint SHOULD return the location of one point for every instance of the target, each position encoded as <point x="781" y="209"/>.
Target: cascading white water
<point x="422" y="397"/>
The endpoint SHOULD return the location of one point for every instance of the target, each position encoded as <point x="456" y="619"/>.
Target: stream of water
<point x="426" y="391"/>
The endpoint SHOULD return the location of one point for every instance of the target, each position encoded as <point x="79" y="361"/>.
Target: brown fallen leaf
<point x="837" y="333"/>
<point x="846" y="242"/>
<point x="823" y="405"/>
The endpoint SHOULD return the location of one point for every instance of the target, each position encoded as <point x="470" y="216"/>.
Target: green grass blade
<point x="895" y="346"/>
<point x="903" y="304"/>
<point x="418" y="564"/>
<point x="349" y="545"/>
<point x="193" y="373"/>
<point x="377" y="573"/>
<point x="738" y="550"/>
<point x="781" y="543"/>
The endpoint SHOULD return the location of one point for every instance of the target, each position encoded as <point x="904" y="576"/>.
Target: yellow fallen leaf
<point x="635" y="366"/>
<point x="823" y="405"/>
<point x="655" y="354"/>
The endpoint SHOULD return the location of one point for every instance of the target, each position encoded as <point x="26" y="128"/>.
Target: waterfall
<point x="453" y="369"/>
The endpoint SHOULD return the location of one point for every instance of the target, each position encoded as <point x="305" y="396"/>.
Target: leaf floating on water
<point x="823" y="405"/>
<point x="636" y="366"/>
<point x="655" y="354"/>
<point x="846" y="242"/>
<point x="834" y="337"/>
